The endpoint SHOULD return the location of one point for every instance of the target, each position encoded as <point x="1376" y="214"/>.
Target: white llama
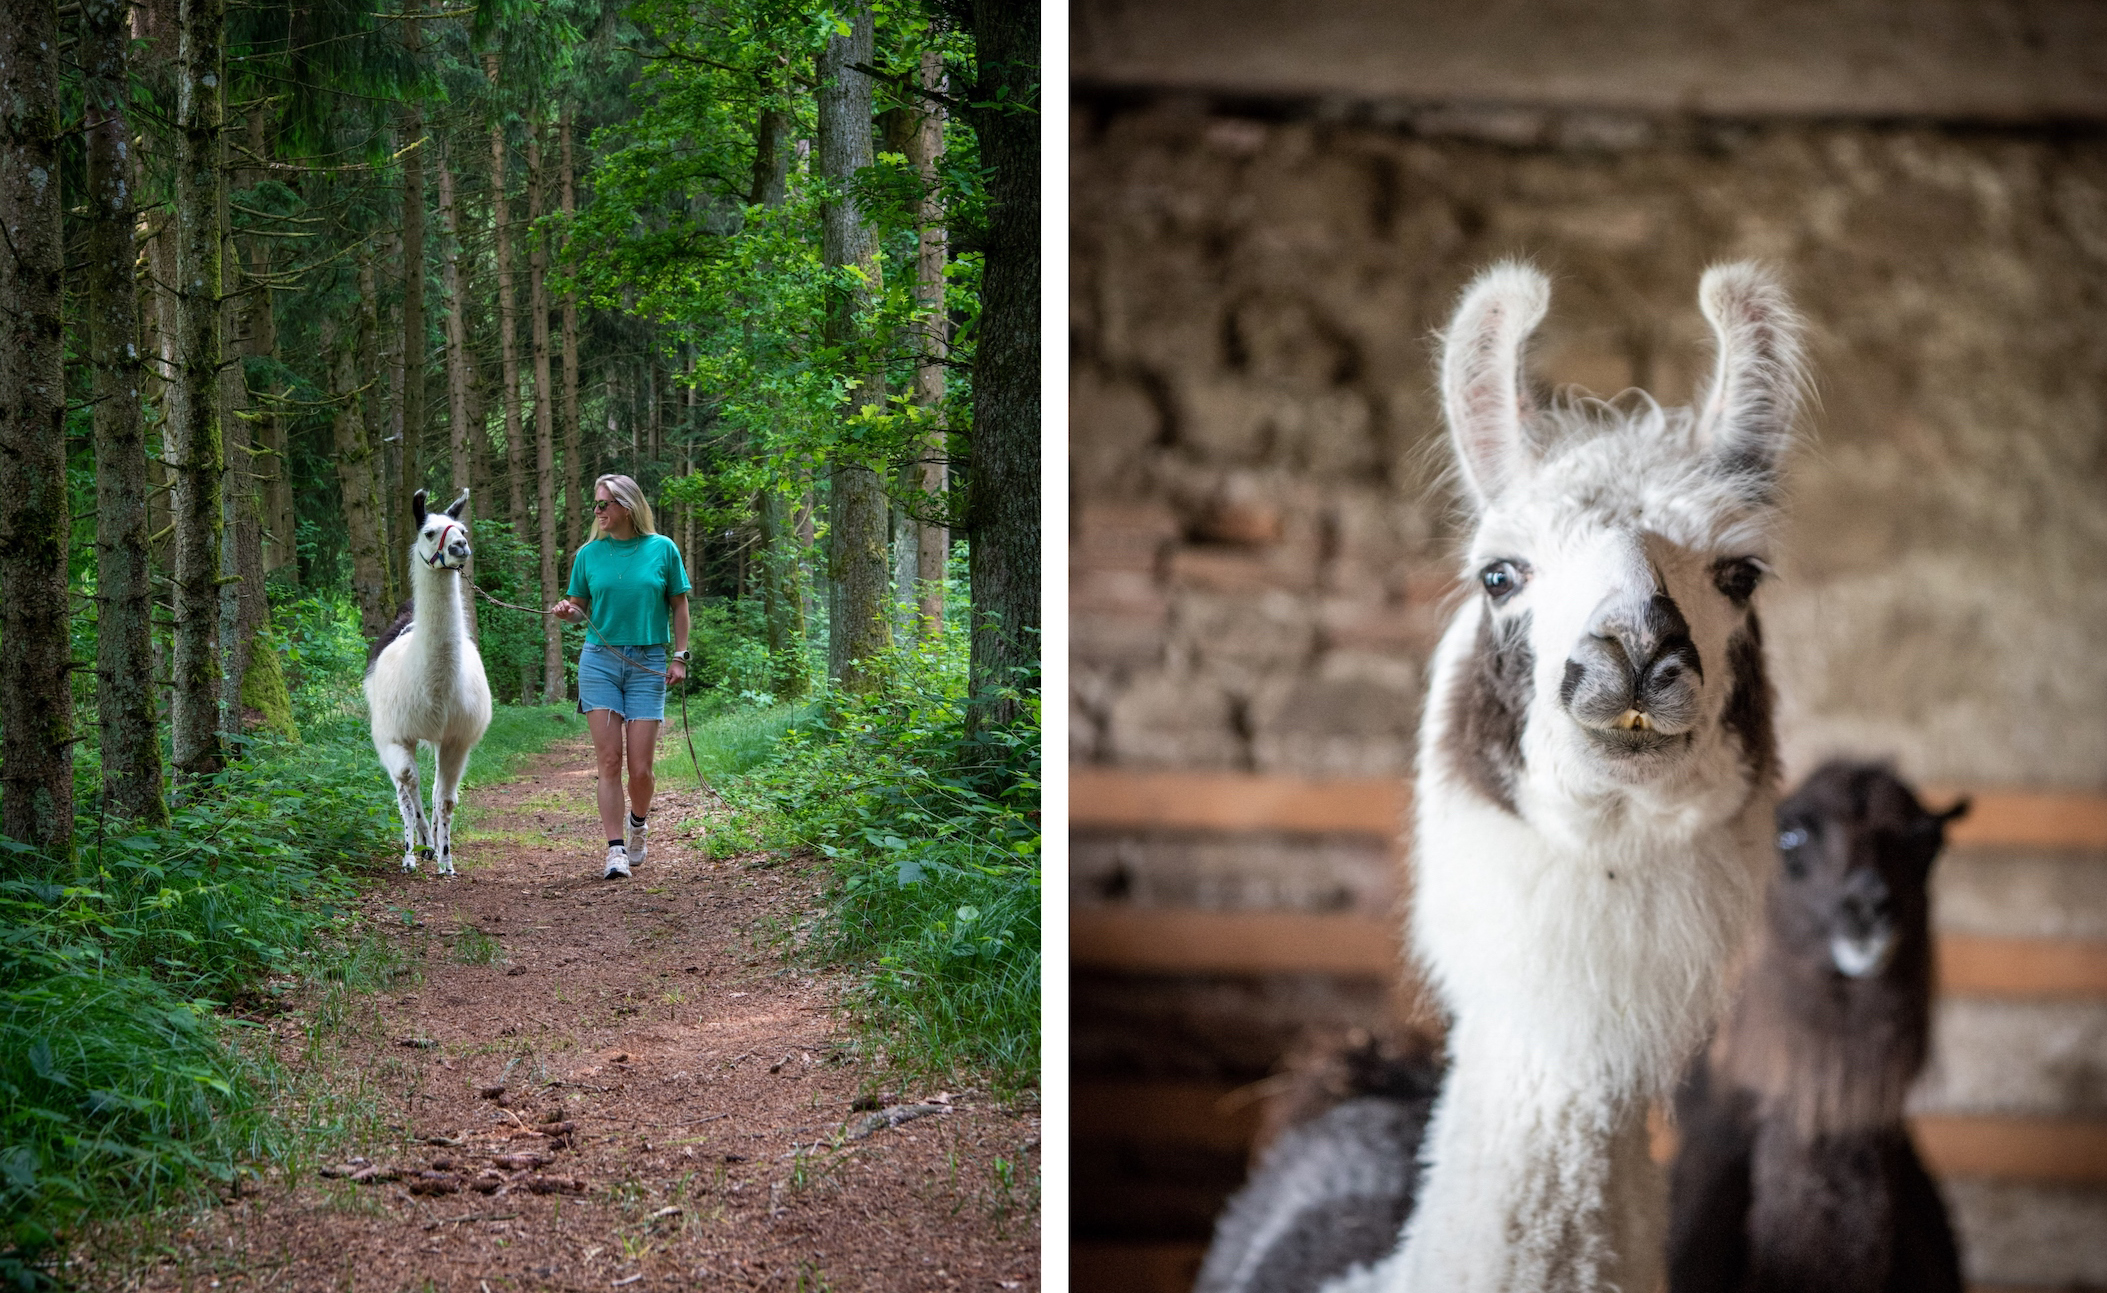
<point x="1595" y="789"/>
<point x="425" y="683"/>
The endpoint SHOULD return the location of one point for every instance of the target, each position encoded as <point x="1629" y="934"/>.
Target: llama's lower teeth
<point x="1631" y="720"/>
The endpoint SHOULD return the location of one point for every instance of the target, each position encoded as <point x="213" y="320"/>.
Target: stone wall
<point x="1264" y="548"/>
<point x="1262" y="543"/>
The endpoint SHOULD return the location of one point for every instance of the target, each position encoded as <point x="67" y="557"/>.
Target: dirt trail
<point x="674" y="1101"/>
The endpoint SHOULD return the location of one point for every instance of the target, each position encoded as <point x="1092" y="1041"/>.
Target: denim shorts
<point x="606" y="681"/>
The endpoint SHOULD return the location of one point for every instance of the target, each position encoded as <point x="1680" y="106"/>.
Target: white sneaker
<point x="617" y="863"/>
<point x="636" y="835"/>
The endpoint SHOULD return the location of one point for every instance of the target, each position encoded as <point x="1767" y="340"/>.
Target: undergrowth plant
<point x="130" y="1074"/>
<point x="933" y="834"/>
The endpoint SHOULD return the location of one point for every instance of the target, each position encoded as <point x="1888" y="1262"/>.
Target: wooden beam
<point x="1102" y="798"/>
<point x="2026" y="819"/>
<point x="1134" y="1268"/>
<point x="1973" y="966"/>
<point x="1113" y="798"/>
<point x="1157" y="940"/>
<point x="2066" y="1151"/>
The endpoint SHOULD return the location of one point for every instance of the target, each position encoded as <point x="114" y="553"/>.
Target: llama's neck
<point x="1828" y="1055"/>
<point x="438" y="611"/>
<point x="1534" y="1185"/>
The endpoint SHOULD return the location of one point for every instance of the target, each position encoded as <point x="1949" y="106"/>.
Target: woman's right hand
<point x="566" y="610"/>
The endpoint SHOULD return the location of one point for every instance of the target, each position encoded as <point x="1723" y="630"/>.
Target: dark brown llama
<point x="1796" y="1171"/>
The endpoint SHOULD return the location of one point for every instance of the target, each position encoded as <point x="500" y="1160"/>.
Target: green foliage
<point x="934" y="837"/>
<point x="125" y="1082"/>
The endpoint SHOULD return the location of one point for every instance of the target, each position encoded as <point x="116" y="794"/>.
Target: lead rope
<point x="685" y="730"/>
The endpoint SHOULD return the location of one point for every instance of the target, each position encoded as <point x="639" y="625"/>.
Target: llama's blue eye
<point x="1792" y="839"/>
<point x="1502" y="580"/>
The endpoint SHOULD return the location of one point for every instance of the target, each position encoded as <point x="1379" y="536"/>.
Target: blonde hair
<point x="631" y="496"/>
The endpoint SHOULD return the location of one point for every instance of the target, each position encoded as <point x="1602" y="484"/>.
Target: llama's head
<point x="442" y="537"/>
<point x="1616" y="550"/>
<point x="1856" y="850"/>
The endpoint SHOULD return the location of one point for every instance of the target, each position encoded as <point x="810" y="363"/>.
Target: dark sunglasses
<point x="602" y="504"/>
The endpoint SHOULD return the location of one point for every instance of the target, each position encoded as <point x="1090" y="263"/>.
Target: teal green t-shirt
<point x="629" y="581"/>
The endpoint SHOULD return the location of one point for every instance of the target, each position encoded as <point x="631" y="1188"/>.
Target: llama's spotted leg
<point x="446" y="794"/>
<point x="401" y="763"/>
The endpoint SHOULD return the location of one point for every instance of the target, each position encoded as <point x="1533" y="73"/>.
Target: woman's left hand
<point x="676" y="670"/>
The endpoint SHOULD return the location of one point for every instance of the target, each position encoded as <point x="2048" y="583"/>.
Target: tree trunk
<point x="243" y="609"/>
<point x="280" y="529"/>
<point x="508" y="318"/>
<point x="124" y="693"/>
<point x="579" y="496"/>
<point x="460" y="449"/>
<point x="413" y="339"/>
<point x="931" y="470"/>
<point x="197" y="454"/>
<point x="860" y="628"/>
<point x="36" y="682"/>
<point x="373" y="421"/>
<point x="552" y="686"/>
<point x="355" y="474"/>
<point x="1002" y="469"/>
<point x="771" y="157"/>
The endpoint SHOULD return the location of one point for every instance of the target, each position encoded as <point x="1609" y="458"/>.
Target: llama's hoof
<point x="409" y="862"/>
<point x="425" y="851"/>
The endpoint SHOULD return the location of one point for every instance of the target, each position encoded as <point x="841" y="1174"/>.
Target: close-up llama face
<point x="1617" y="552"/>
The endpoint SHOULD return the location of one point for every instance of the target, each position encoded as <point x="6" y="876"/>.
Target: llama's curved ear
<point x="453" y="509"/>
<point x="1746" y="417"/>
<point x="1482" y="393"/>
<point x="417" y="509"/>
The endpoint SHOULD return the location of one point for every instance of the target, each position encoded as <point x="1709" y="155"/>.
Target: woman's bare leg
<point x="607" y="759"/>
<point x="643" y="742"/>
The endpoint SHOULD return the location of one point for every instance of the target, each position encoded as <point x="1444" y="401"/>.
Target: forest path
<point x="699" y="1073"/>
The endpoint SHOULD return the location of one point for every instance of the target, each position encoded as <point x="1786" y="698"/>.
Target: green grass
<point x="933" y="839"/>
<point x="128" y="1078"/>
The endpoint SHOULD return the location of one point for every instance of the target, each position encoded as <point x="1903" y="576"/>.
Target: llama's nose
<point x="1636" y="668"/>
<point x="1866" y="904"/>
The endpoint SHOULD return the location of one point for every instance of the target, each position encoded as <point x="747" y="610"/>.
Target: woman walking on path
<point x="628" y="582"/>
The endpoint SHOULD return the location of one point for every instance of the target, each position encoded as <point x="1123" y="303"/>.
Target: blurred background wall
<point x="1273" y="208"/>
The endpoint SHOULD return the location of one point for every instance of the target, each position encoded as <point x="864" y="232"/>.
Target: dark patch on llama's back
<point x="397" y="629"/>
<point x="1484" y="737"/>
<point x="1749" y="703"/>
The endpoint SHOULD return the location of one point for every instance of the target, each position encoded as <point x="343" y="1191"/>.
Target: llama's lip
<point x="1636" y="740"/>
<point x="1861" y="956"/>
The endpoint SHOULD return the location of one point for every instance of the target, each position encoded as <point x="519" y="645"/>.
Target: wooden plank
<point x="1116" y="798"/>
<point x="1972" y="966"/>
<point x="1102" y="798"/>
<point x="1172" y="941"/>
<point x="2066" y="1151"/>
<point x="1206" y="1115"/>
<point x="1133" y="1268"/>
<point x="2026" y="819"/>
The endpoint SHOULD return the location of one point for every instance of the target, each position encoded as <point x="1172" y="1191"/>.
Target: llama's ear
<point x="1746" y="417"/>
<point x="417" y="508"/>
<point x="453" y="509"/>
<point x="1482" y="392"/>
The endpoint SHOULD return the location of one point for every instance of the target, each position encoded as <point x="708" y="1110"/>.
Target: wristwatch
<point x="681" y="656"/>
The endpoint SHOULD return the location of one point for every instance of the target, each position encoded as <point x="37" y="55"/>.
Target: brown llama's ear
<point x="1955" y="813"/>
<point x="453" y="509"/>
<point x="417" y="509"/>
<point x="1746" y="417"/>
<point x="1482" y="391"/>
